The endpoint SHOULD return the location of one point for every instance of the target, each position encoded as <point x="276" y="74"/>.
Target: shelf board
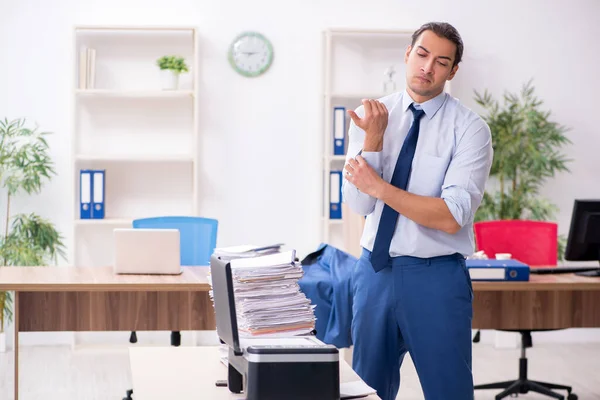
<point x="353" y="96"/>
<point x="135" y="158"/>
<point x="362" y="32"/>
<point x="134" y="28"/>
<point x="336" y="158"/>
<point x="135" y="93"/>
<point x="104" y="221"/>
<point x="335" y="221"/>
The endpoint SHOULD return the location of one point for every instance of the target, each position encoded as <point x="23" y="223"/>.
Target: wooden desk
<point x="95" y="299"/>
<point x="545" y="302"/>
<point x="186" y="373"/>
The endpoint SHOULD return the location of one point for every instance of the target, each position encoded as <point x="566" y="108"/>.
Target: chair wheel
<point x="572" y="396"/>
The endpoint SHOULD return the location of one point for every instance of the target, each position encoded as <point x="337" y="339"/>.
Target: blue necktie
<point x="389" y="216"/>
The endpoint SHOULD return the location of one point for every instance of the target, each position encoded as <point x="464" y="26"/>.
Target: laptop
<point x="147" y="251"/>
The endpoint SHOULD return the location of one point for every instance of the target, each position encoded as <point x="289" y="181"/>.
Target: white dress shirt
<point x="452" y="161"/>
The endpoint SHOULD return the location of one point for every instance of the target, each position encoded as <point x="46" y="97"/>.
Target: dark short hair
<point x="445" y="30"/>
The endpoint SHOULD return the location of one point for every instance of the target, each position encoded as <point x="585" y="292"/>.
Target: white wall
<point x="261" y="138"/>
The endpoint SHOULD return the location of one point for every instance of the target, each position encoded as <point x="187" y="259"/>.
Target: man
<point x="417" y="165"/>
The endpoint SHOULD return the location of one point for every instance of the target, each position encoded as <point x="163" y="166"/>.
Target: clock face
<point x="251" y="54"/>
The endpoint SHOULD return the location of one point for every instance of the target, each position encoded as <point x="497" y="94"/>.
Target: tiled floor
<point x="59" y="373"/>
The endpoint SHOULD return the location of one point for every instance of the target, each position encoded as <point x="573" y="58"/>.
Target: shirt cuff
<point x="458" y="201"/>
<point x="373" y="158"/>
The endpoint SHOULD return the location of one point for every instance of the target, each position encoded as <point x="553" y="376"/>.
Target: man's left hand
<point x="363" y="177"/>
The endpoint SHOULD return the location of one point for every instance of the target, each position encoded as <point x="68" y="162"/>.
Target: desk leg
<point x="16" y="342"/>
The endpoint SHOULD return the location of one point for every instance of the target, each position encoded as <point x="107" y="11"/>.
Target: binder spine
<point x="517" y="274"/>
<point x="339" y="130"/>
<point x="499" y="273"/>
<point x="85" y="194"/>
<point x="98" y="209"/>
<point x="335" y="195"/>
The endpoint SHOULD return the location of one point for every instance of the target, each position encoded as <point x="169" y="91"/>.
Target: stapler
<point x="291" y="368"/>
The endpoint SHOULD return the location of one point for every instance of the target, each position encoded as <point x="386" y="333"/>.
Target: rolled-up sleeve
<point x="359" y="202"/>
<point x="468" y="172"/>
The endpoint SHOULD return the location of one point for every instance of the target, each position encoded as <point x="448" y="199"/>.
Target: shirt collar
<point x="430" y="107"/>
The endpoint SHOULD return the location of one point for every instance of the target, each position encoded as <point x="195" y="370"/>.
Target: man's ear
<point x="453" y="72"/>
<point x="408" y="49"/>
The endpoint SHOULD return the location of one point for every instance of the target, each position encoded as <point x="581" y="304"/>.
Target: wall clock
<point x="251" y="54"/>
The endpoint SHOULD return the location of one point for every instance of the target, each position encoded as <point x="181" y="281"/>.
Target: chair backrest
<point x="198" y="236"/>
<point x="533" y="242"/>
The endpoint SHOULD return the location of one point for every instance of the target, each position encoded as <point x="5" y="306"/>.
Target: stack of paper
<point x="268" y="299"/>
<point x="246" y="251"/>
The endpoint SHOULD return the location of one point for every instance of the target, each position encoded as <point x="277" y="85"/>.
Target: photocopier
<point x="291" y="368"/>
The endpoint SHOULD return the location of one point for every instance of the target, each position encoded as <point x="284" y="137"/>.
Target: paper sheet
<point x="354" y="389"/>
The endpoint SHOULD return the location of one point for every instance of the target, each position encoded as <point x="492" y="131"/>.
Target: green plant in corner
<point x="173" y="63"/>
<point x="26" y="239"/>
<point x="527" y="152"/>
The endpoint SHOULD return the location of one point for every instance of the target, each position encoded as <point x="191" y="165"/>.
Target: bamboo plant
<point x="527" y="153"/>
<point x="26" y="239"/>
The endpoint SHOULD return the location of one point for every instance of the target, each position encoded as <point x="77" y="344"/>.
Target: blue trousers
<point x="419" y="305"/>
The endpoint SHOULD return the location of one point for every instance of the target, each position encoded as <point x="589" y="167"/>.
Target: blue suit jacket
<point x="327" y="282"/>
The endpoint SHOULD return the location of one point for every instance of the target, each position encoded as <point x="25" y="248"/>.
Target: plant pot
<point x="170" y="79"/>
<point x="2" y="342"/>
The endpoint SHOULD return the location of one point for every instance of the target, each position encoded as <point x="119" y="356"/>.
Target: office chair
<point x="198" y="238"/>
<point x="535" y="243"/>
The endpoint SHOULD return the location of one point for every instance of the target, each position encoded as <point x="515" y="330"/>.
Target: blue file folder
<point x="339" y="130"/>
<point x="85" y="194"/>
<point x="497" y="270"/>
<point x="335" y="195"/>
<point x="98" y="197"/>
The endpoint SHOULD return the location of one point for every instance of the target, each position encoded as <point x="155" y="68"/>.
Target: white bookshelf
<point x="355" y="61"/>
<point x="144" y="137"/>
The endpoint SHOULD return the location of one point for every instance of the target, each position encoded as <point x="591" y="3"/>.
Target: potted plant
<point x="25" y="239"/>
<point x="527" y="152"/>
<point x="170" y="68"/>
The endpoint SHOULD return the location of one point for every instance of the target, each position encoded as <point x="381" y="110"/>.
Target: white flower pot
<point x="2" y="342"/>
<point x="170" y="79"/>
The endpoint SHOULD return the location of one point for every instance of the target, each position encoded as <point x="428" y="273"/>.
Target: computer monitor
<point x="583" y="243"/>
<point x="224" y="303"/>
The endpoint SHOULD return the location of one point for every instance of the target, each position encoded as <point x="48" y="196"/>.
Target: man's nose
<point x="428" y="67"/>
